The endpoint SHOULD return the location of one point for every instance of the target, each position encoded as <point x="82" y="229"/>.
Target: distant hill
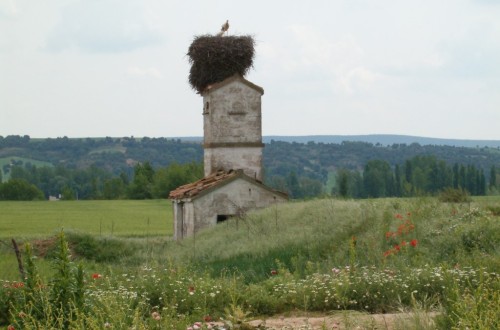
<point x="310" y="161"/>
<point x="383" y="139"/>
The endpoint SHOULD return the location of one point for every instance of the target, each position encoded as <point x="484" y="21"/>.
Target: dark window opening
<point x="222" y="217"/>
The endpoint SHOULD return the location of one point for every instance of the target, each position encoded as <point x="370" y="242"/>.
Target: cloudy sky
<point x="92" y="68"/>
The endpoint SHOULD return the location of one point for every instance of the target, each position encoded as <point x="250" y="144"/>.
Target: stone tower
<point x="232" y="125"/>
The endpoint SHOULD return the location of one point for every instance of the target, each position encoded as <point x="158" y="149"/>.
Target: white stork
<point x="224" y="28"/>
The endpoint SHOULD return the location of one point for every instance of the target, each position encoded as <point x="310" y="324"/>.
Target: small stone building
<point x="232" y="125"/>
<point x="216" y="198"/>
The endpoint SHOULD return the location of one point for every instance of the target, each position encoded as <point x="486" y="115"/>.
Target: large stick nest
<point x="215" y="58"/>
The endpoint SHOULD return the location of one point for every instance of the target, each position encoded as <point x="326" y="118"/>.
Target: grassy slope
<point x="303" y="236"/>
<point x="317" y="234"/>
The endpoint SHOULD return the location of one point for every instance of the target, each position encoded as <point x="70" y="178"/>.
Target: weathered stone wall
<point x="233" y="129"/>
<point x="232" y="114"/>
<point x="230" y="199"/>
<point x="248" y="159"/>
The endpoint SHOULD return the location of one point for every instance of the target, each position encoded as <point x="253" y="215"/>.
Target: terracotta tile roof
<point x="195" y="188"/>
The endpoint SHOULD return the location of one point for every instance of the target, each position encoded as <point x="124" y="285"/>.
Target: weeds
<point x="449" y="263"/>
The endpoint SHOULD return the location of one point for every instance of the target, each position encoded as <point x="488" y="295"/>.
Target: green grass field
<point x="320" y="256"/>
<point x="25" y="220"/>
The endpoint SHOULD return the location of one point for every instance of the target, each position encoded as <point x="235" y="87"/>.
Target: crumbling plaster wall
<point x="248" y="159"/>
<point x="234" y="197"/>
<point x="232" y="114"/>
<point x="233" y="129"/>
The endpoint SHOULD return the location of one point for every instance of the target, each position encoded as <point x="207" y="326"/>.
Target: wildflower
<point x="387" y="253"/>
<point x="398" y="216"/>
<point x="156" y="316"/>
<point x="397" y="247"/>
<point x="11" y="327"/>
<point x="274" y="272"/>
<point x="207" y="318"/>
<point x="107" y="325"/>
<point x="414" y="242"/>
<point x="22" y="315"/>
<point x="95" y="276"/>
<point x="335" y="270"/>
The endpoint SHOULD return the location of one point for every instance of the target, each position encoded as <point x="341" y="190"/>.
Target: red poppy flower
<point x="414" y="242"/>
<point x="274" y="272"/>
<point x="207" y="318"/>
<point x="397" y="247"/>
<point x="11" y="327"/>
<point x="95" y="276"/>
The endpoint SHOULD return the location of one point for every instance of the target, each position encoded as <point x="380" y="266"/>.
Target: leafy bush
<point x="495" y="210"/>
<point x="19" y="190"/>
<point x="452" y="195"/>
<point x="100" y="249"/>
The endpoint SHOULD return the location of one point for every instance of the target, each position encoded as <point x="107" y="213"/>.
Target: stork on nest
<point x="223" y="29"/>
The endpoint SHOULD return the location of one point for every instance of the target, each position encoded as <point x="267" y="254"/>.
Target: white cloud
<point x="107" y="26"/>
<point x="8" y="9"/>
<point x="339" y="60"/>
<point x="151" y="72"/>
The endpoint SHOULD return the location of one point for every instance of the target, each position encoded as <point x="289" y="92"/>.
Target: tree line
<point x="418" y="176"/>
<point x="106" y="168"/>
<point x="30" y="182"/>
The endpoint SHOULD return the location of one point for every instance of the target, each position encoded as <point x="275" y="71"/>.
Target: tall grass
<point x="320" y="255"/>
<point x="318" y="233"/>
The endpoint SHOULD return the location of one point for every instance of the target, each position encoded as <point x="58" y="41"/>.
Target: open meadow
<point x="348" y="262"/>
<point x="22" y="220"/>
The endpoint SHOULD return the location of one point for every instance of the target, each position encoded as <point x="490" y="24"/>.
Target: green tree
<point x="493" y="177"/>
<point x="168" y="178"/>
<point x="19" y="190"/>
<point x="377" y="179"/>
<point x="114" y="188"/>
<point x="293" y="185"/>
<point x="68" y="194"/>
<point x="343" y="183"/>
<point x="142" y="184"/>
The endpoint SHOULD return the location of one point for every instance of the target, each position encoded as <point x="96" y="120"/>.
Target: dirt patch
<point x="346" y="320"/>
<point x="42" y="246"/>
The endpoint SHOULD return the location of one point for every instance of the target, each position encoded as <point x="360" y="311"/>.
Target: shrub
<point x="100" y="249"/>
<point x="19" y="190"/>
<point x="452" y="195"/>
